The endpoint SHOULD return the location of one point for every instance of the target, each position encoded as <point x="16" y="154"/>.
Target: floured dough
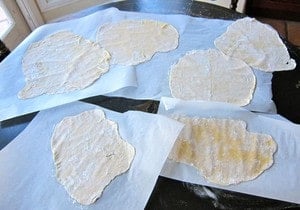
<point x="210" y="75"/>
<point x="223" y="150"/>
<point x="61" y="63"/>
<point x="258" y="44"/>
<point x="131" y="42"/>
<point x="89" y="153"/>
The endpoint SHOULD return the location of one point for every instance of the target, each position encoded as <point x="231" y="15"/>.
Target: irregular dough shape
<point x="89" y="153"/>
<point x="61" y="63"/>
<point x="223" y="150"/>
<point x="211" y="75"/>
<point x="131" y="42"/>
<point x="258" y="44"/>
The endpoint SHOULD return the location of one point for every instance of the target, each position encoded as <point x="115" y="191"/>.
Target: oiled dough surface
<point x="89" y="153"/>
<point x="131" y="42"/>
<point x="223" y="150"/>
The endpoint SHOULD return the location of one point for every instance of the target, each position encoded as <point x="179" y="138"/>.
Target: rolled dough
<point x="258" y="44"/>
<point x="61" y="63"/>
<point x="131" y="42"/>
<point x="223" y="150"/>
<point x="210" y="75"/>
<point x="89" y="153"/>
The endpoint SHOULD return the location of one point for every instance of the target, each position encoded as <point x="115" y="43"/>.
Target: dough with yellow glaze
<point x="131" y="42"/>
<point x="258" y="44"/>
<point x="61" y="63"/>
<point x="89" y="153"/>
<point x="223" y="150"/>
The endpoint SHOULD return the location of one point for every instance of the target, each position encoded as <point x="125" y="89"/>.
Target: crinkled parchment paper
<point x="27" y="169"/>
<point x="148" y="80"/>
<point x="280" y="181"/>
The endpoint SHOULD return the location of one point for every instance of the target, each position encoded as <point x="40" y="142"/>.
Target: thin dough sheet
<point x="258" y="44"/>
<point x="212" y="76"/>
<point x="131" y="42"/>
<point x="223" y="150"/>
<point x="61" y="63"/>
<point x="88" y="153"/>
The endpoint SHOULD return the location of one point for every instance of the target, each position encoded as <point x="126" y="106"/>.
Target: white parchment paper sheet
<point x="194" y="34"/>
<point x="27" y="169"/>
<point x="151" y="77"/>
<point x="281" y="181"/>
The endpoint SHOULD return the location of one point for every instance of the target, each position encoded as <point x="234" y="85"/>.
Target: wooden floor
<point x="287" y="29"/>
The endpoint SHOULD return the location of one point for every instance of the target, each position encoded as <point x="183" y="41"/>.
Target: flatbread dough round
<point x="210" y="75"/>
<point x="223" y="150"/>
<point x="61" y="63"/>
<point x="131" y="42"/>
<point x="89" y="153"/>
<point x="258" y="44"/>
